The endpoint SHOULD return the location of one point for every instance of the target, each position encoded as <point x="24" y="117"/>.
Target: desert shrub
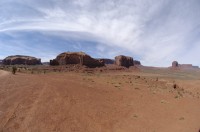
<point x="14" y="69"/>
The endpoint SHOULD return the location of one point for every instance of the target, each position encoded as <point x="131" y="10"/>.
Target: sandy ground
<point x="99" y="102"/>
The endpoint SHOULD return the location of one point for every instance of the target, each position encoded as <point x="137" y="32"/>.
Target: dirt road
<point x="77" y="102"/>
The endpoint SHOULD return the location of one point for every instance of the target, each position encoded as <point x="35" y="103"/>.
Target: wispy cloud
<point x="155" y="31"/>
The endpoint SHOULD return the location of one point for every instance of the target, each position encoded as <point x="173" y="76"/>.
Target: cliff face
<point x="76" y="58"/>
<point x="21" y="60"/>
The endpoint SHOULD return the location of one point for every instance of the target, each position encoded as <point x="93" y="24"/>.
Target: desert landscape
<point x="110" y="98"/>
<point x="99" y="66"/>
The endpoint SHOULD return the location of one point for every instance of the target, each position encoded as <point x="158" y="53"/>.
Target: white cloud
<point x="157" y="31"/>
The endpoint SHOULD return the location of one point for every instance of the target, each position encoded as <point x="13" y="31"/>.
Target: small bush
<point x="14" y="69"/>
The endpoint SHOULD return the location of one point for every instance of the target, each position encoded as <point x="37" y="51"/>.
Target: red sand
<point x="100" y="102"/>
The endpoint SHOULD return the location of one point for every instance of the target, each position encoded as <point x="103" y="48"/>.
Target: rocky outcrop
<point x="77" y="58"/>
<point x="175" y="64"/>
<point x="21" y="60"/>
<point x="125" y="61"/>
<point x="136" y="62"/>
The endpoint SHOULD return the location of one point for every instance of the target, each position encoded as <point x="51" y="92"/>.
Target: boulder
<point x="175" y="64"/>
<point x="78" y="58"/>
<point x="21" y="60"/>
<point x="125" y="61"/>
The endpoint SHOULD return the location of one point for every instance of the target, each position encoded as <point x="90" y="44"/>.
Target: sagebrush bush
<point x="14" y="69"/>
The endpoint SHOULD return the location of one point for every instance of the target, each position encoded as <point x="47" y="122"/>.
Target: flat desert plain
<point x="149" y="100"/>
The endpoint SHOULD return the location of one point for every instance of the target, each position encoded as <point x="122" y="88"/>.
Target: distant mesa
<point x="186" y="66"/>
<point x="76" y="58"/>
<point x="46" y="63"/>
<point x="21" y="60"/>
<point x="1" y="62"/>
<point x="175" y="64"/>
<point x="195" y="66"/>
<point x="125" y="61"/>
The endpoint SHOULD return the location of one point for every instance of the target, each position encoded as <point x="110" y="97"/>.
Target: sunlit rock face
<point x="77" y="58"/>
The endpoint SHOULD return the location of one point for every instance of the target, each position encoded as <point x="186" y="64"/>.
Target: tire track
<point x="29" y="115"/>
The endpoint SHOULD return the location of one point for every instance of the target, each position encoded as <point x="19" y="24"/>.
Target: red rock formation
<point x="78" y="58"/>
<point x="125" y="61"/>
<point x="21" y="60"/>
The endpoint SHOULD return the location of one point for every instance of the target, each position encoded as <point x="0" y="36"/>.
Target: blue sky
<point x="156" y="32"/>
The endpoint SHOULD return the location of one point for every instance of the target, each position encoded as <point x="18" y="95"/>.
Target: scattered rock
<point x="157" y="79"/>
<point x="175" y="86"/>
<point x="181" y="118"/>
